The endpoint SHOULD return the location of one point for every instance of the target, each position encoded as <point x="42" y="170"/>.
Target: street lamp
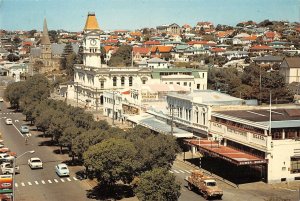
<point x="14" y="171"/>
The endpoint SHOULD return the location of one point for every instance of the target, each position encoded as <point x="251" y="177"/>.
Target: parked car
<point x="24" y="129"/>
<point x="4" y="150"/>
<point x="35" y="163"/>
<point x="62" y="170"/>
<point x="1" y="99"/>
<point x="1" y="145"/>
<point x="7" y="168"/>
<point x="6" y="156"/>
<point x="8" y="121"/>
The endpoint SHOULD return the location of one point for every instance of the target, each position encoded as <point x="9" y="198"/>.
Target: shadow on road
<point x="114" y="192"/>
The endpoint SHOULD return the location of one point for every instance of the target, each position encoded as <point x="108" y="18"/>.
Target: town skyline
<point x="130" y="14"/>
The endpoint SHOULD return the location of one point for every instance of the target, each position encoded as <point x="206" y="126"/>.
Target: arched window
<point x="114" y="81"/>
<point x="122" y="81"/>
<point x="130" y="81"/>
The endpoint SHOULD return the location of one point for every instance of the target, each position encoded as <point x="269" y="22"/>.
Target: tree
<point x="157" y="184"/>
<point x="31" y="33"/>
<point x="122" y="57"/>
<point x="153" y="150"/>
<point x="86" y="139"/>
<point x="12" y="57"/>
<point x="111" y="160"/>
<point x="53" y="36"/>
<point x="14" y="92"/>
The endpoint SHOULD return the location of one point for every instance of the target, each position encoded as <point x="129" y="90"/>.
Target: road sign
<point x="6" y="184"/>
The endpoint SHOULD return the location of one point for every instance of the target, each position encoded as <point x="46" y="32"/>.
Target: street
<point x="44" y="184"/>
<point x="39" y="184"/>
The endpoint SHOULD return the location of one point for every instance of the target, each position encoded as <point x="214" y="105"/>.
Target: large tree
<point x="158" y="184"/>
<point x="112" y="160"/>
<point x="122" y="57"/>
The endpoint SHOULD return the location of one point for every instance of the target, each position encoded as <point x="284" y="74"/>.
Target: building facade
<point x="92" y="79"/>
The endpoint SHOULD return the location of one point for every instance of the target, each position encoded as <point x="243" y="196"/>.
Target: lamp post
<point x="14" y="171"/>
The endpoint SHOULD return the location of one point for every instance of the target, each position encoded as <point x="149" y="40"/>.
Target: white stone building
<point x="92" y="79"/>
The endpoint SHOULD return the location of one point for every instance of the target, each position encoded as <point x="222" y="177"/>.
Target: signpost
<point x="6" y="186"/>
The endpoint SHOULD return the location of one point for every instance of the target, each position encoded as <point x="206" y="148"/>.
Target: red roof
<point x="260" y="47"/>
<point x="227" y="153"/>
<point x="28" y="43"/>
<point x="141" y="50"/>
<point x="217" y="49"/>
<point x="152" y="42"/>
<point x="270" y="34"/>
<point x="161" y="49"/>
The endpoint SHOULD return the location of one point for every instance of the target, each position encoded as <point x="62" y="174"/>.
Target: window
<point x="102" y="84"/>
<point x="185" y="84"/>
<point x="295" y="164"/>
<point x="114" y="81"/>
<point x="130" y="81"/>
<point x="122" y="81"/>
<point x="178" y="83"/>
<point x="171" y="83"/>
<point x="144" y="81"/>
<point x="198" y="86"/>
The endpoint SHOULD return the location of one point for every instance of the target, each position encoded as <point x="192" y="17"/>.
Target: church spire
<point x="45" y="37"/>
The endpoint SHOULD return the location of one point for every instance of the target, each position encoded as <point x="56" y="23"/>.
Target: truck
<point x="7" y="168"/>
<point x="206" y="185"/>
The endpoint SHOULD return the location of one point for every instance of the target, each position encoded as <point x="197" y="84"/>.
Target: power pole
<point x="77" y="93"/>
<point x="96" y="100"/>
<point x="113" y="116"/>
<point x="172" y="120"/>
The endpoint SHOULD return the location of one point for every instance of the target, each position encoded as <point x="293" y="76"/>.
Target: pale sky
<point x="134" y="14"/>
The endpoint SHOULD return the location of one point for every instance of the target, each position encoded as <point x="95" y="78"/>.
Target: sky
<point x="71" y="15"/>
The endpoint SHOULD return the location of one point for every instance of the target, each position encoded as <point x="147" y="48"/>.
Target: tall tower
<point x="46" y="45"/>
<point x="91" y="42"/>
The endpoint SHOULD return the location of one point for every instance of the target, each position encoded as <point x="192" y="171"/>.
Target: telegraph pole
<point x="172" y="120"/>
<point x="77" y="93"/>
<point x="113" y="116"/>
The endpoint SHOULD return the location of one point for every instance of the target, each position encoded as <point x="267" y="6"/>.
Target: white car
<point x="8" y="121"/>
<point x="1" y="99"/>
<point x="35" y="163"/>
<point x="62" y="170"/>
<point x="6" y="156"/>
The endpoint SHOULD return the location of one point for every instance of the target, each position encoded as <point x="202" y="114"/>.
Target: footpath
<point x="182" y="158"/>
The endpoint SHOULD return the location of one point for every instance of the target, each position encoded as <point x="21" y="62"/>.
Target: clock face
<point x="93" y="42"/>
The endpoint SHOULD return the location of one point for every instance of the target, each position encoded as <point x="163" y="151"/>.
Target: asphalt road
<point x="41" y="184"/>
<point x="45" y="185"/>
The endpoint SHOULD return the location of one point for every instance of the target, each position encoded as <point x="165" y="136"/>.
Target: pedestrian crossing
<point x="173" y="171"/>
<point x="7" y="113"/>
<point x="44" y="182"/>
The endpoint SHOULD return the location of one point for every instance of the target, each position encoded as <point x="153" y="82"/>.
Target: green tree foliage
<point x="154" y="150"/>
<point x="53" y="36"/>
<point x="69" y="58"/>
<point x="157" y="184"/>
<point x="31" y="33"/>
<point x="14" y="92"/>
<point x="122" y="57"/>
<point x="12" y="57"/>
<point x="112" y="160"/>
<point x="86" y="139"/>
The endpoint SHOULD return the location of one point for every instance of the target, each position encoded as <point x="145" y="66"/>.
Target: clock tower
<point x="91" y="42"/>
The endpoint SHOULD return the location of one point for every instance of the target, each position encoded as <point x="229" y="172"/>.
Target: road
<point x="45" y="185"/>
<point x="42" y="184"/>
<point x="257" y="191"/>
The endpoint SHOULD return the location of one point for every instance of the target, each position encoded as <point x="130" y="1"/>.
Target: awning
<point x="229" y="154"/>
<point x="149" y="121"/>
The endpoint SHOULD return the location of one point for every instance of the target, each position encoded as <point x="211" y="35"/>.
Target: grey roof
<point x="210" y="97"/>
<point x="282" y="124"/>
<point x="35" y="52"/>
<point x="269" y="58"/>
<point x="2" y="50"/>
<point x="152" y="123"/>
<point x="57" y="49"/>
